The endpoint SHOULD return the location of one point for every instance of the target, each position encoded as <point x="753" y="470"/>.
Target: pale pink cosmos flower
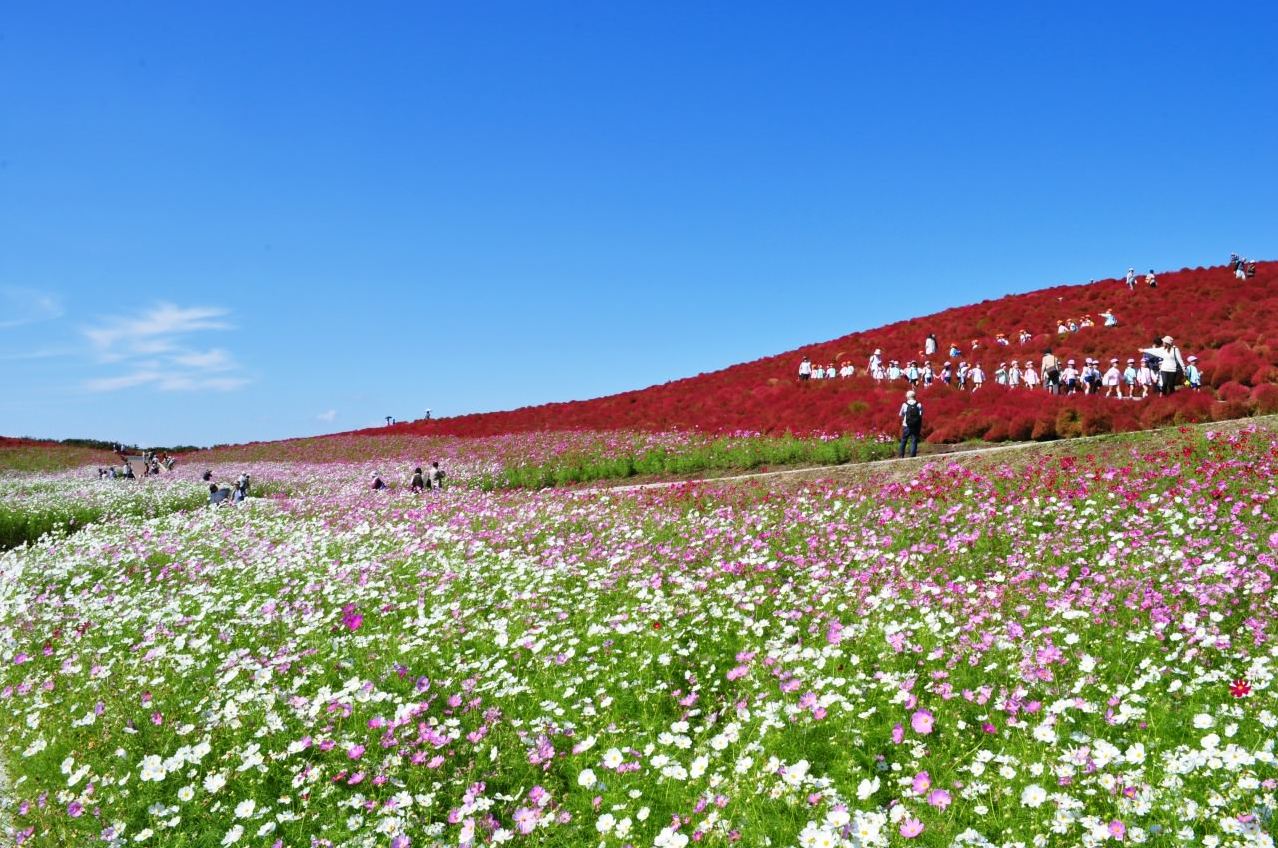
<point x="922" y="722"/>
<point x="911" y="828"/>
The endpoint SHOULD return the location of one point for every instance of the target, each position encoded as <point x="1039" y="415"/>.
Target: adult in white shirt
<point x="805" y="369"/>
<point x="1169" y="363"/>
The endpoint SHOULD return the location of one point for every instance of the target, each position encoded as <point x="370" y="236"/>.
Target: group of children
<point x="1144" y="374"/>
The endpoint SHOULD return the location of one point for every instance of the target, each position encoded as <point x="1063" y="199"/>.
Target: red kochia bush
<point x="1264" y="399"/>
<point x="1231" y="325"/>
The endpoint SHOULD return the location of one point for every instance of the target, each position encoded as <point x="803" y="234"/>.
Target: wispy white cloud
<point x="156" y="327"/>
<point x="327" y="416"/>
<point x="20" y="306"/>
<point x="152" y="344"/>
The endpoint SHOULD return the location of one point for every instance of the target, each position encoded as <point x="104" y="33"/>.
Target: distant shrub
<point x="1264" y="399"/>
<point x="1233" y="392"/>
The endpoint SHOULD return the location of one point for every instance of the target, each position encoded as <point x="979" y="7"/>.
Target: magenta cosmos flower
<point x="911" y="828"/>
<point x="922" y="722"/>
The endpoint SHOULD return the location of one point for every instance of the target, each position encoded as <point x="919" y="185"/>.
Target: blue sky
<point x="252" y="221"/>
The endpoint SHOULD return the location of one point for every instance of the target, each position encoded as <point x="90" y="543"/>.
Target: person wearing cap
<point x="978" y="376"/>
<point x="1145" y="377"/>
<point x="1069" y="378"/>
<point x="955" y="353"/>
<point x="1110" y="320"/>
<point x="1113" y="380"/>
<point x="818" y="373"/>
<point x="876" y="359"/>
<point x="911" y="416"/>
<point x="928" y="374"/>
<point x="929" y="345"/>
<point x="1131" y="279"/>
<point x="912" y="373"/>
<point x="1151" y="280"/>
<point x="947" y="374"/>
<point x="1013" y="374"/>
<point x="1193" y="375"/>
<point x="961" y="376"/>
<point x="1170" y="364"/>
<point x="1129" y="379"/>
<point x="894" y="371"/>
<point x="1030" y="375"/>
<point x="805" y="369"/>
<point x="1000" y="374"/>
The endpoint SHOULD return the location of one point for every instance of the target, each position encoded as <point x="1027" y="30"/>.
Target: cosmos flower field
<point x="1068" y="650"/>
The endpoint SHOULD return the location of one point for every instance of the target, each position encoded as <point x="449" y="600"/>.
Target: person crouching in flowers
<point x="378" y="483"/>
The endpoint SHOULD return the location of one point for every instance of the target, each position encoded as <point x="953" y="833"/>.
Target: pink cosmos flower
<point x="1117" y="829"/>
<point x="911" y="828"/>
<point x="355" y="752"/>
<point x="922" y="722"/>
<point x="898" y="734"/>
<point x="922" y="782"/>
<point x="939" y="798"/>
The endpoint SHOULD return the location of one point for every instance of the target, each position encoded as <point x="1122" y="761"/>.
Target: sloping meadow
<point x="1073" y="651"/>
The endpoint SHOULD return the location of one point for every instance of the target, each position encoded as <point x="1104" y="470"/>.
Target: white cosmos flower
<point x="613" y="758"/>
<point x="605" y="823"/>
<point x="153" y="768"/>
<point x="214" y="782"/>
<point x="866" y="788"/>
<point x="245" y="808"/>
<point x="586" y="778"/>
<point x="186" y="793"/>
<point x="1135" y="754"/>
<point x="1033" y="795"/>
<point x="1202" y="721"/>
<point x="233" y="835"/>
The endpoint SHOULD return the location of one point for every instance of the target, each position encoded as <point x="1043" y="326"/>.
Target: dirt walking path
<point x="908" y="466"/>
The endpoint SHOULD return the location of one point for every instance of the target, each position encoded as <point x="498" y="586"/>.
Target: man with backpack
<point x="911" y="424"/>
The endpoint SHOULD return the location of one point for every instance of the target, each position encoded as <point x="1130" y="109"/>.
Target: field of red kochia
<point x="1230" y="324"/>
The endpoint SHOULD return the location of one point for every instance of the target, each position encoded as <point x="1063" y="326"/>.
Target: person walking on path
<point x="911" y="424"/>
<point x="805" y="369"/>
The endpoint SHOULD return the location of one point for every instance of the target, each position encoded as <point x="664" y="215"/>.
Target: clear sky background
<point x="237" y="221"/>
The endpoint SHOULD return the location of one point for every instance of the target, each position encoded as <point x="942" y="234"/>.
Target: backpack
<point x="1152" y="362"/>
<point x="913" y="417"/>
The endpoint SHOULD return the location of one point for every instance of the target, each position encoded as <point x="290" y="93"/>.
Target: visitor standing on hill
<point x="805" y="369"/>
<point x="1151" y="280"/>
<point x="1131" y="279"/>
<point x="1192" y="374"/>
<point x="911" y="424"/>
<point x="1031" y="376"/>
<point x="1170" y="365"/>
<point x="978" y="376"/>
<point x="1129" y="380"/>
<point x="1113" y="379"/>
<point x="1051" y="368"/>
<point x="929" y="345"/>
